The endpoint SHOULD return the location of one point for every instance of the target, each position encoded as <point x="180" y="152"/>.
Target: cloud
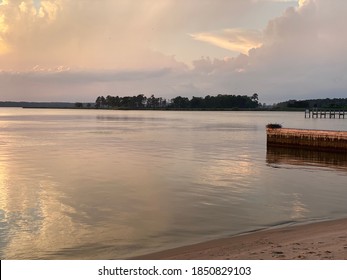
<point x="302" y="56"/>
<point x="238" y="40"/>
<point x="303" y="51"/>
<point x="93" y="34"/>
<point x="67" y="50"/>
<point x="116" y="34"/>
<point x="307" y="36"/>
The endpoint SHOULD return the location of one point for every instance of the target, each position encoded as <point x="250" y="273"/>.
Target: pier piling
<point x="315" y="113"/>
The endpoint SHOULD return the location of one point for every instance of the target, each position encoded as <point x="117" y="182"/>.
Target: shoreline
<point x="323" y="240"/>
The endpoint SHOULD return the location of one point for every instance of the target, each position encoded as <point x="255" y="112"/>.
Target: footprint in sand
<point x="278" y="254"/>
<point x="301" y="257"/>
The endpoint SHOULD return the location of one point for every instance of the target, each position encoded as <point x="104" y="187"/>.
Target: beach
<point x="326" y="240"/>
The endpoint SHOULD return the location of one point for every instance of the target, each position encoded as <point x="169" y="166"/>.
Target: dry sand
<point x="316" y="241"/>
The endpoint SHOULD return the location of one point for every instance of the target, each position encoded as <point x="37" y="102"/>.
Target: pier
<point x="322" y="113"/>
<point x="328" y="140"/>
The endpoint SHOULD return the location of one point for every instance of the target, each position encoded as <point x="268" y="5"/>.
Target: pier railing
<point x="324" y="113"/>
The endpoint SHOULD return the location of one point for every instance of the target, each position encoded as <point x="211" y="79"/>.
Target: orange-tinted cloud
<point x="236" y="40"/>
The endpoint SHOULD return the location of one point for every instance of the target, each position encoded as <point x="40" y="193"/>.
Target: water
<point x="94" y="184"/>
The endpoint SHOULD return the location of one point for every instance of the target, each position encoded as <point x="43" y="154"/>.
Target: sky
<point x="76" y="50"/>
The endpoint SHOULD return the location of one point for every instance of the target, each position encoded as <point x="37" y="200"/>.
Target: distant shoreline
<point x="181" y="109"/>
<point x="102" y="103"/>
<point x="152" y="109"/>
<point x="72" y="106"/>
<point x="164" y="109"/>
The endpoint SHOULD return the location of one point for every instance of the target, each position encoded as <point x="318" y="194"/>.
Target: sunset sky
<point x="75" y="50"/>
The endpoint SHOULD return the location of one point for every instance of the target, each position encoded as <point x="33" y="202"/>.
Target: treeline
<point x="221" y="101"/>
<point x="327" y="103"/>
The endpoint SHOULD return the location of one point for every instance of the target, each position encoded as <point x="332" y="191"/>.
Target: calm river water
<point x="97" y="184"/>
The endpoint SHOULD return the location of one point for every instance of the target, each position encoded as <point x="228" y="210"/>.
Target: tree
<point x="127" y="102"/>
<point x="152" y="102"/>
<point x="140" y="100"/>
<point x="110" y="101"/>
<point x="220" y="101"/>
<point x="255" y="97"/>
<point x="255" y="100"/>
<point x="197" y="102"/>
<point x="180" y="102"/>
<point x="100" y="102"/>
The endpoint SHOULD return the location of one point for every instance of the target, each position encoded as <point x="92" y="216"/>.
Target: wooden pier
<point x="321" y="113"/>
<point x="328" y="140"/>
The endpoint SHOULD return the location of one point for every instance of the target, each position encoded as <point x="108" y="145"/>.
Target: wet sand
<point x="316" y="241"/>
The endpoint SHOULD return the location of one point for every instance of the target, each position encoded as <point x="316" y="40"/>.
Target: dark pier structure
<point x="322" y="113"/>
<point x="326" y="140"/>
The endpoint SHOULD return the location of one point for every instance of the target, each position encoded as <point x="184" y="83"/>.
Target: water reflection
<point x="298" y="210"/>
<point x="277" y="156"/>
<point x="32" y="216"/>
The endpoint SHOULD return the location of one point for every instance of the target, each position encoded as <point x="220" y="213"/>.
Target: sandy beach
<point x="315" y="241"/>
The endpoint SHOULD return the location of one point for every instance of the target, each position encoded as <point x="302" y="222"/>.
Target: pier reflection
<point x="302" y="157"/>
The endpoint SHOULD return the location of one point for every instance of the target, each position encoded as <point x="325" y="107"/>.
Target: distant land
<point x="183" y="103"/>
<point x="37" y="104"/>
<point x="327" y="103"/>
<point x="218" y="102"/>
